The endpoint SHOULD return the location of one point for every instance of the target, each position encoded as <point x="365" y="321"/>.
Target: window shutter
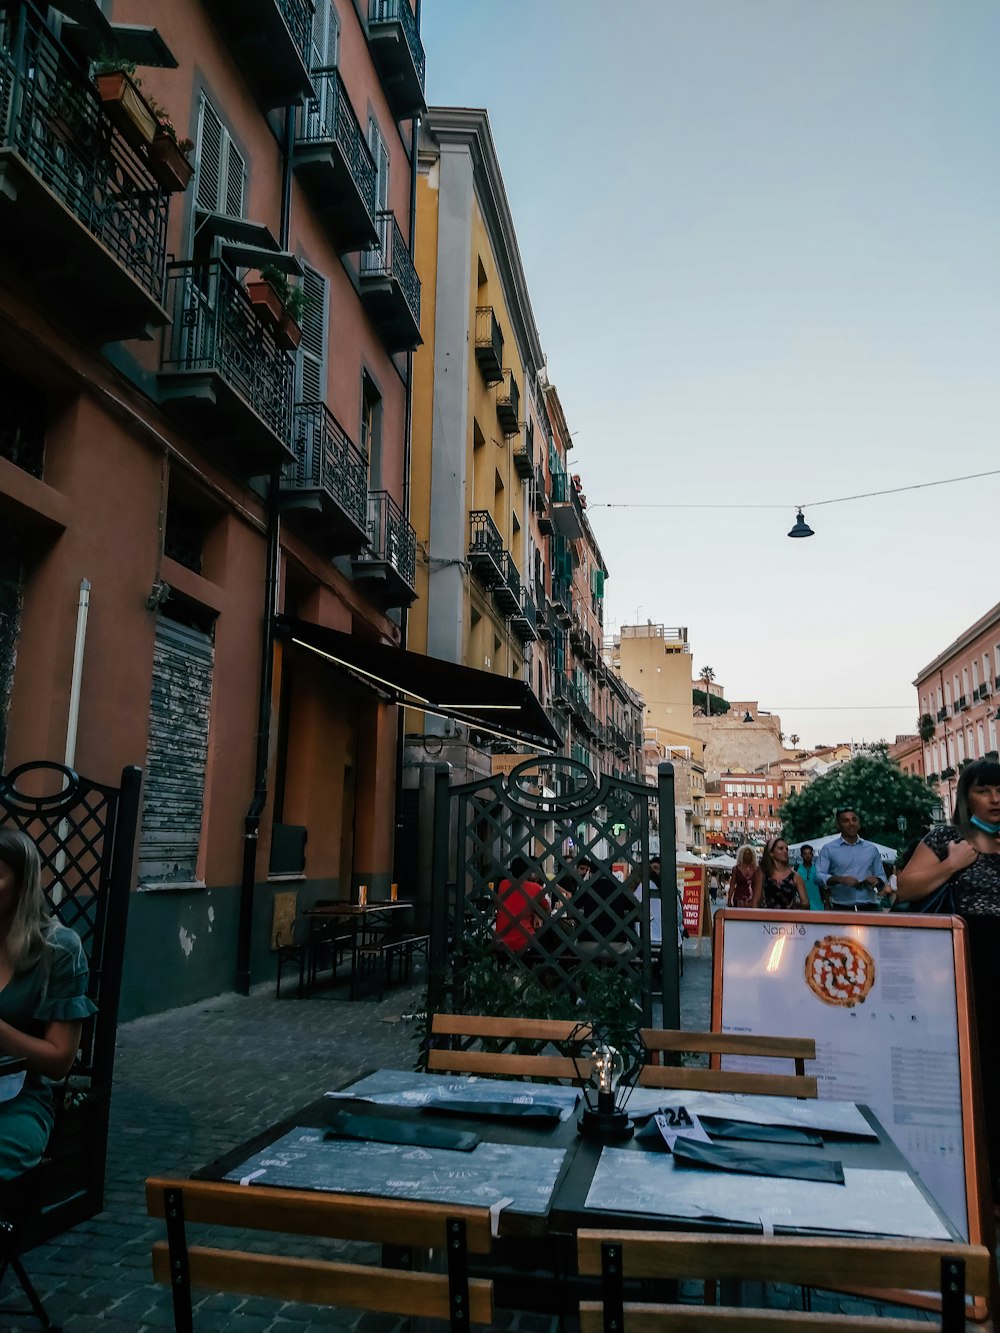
<point x="312" y="350"/>
<point x="210" y="140"/>
<point x="235" y="177"/>
<point x="380" y="155"/>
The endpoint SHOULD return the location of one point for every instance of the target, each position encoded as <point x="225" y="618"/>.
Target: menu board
<point x="885" y="999"/>
<point x="693" y="901"/>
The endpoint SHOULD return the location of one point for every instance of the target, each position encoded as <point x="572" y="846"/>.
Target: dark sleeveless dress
<point x="780" y="894"/>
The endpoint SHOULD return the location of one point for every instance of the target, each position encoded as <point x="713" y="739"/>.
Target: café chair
<point x="453" y="1229"/>
<point x="832" y="1263"/>
<point x="660" y="1041"/>
<point x="451" y="1037"/>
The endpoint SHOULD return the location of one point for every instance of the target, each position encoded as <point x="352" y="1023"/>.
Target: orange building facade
<point x="187" y="475"/>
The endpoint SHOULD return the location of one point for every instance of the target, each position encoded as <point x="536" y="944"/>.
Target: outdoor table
<point x="360" y="920"/>
<point x="549" y="1167"/>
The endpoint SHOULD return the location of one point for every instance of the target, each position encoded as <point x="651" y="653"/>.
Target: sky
<point x="760" y="238"/>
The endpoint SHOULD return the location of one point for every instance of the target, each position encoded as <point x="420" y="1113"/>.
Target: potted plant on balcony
<point x="280" y="304"/>
<point x="168" y="160"/>
<point x="124" y="104"/>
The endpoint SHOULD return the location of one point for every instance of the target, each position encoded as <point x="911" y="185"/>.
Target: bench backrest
<point x="545" y="1036"/>
<point x="452" y="1228"/>
<point x="797" y="1049"/>
<point x="828" y="1262"/>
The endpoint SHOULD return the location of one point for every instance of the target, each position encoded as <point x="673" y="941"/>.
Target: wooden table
<point x="544" y="1244"/>
<point x="359" y="920"/>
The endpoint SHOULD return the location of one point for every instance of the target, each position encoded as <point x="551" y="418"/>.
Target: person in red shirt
<point x="518" y="916"/>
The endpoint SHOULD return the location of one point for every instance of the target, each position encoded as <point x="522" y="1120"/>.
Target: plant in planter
<point x="168" y="155"/>
<point x="124" y="104"/>
<point x="279" y="303"/>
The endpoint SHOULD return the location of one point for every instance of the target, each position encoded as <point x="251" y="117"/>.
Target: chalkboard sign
<point x="886" y="999"/>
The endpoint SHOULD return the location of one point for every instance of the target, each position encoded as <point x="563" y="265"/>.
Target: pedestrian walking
<point x="850" y="868"/>
<point x="779" y="887"/>
<point x="744" y="880"/>
<point x="806" y="872"/>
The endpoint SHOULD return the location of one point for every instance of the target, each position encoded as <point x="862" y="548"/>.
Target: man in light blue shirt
<point x="850" y="869"/>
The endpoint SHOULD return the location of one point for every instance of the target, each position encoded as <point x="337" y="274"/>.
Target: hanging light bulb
<point x="802" y="528"/>
<point x="608" y="1069"/>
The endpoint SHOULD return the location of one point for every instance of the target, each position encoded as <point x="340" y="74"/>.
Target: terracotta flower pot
<point x="169" y="165"/>
<point x="126" y="108"/>
<point x="288" y="334"/>
<point x="266" y="302"/>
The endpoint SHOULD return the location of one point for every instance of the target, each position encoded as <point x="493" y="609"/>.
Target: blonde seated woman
<point x="745" y="881"/>
<point x="43" y="1002"/>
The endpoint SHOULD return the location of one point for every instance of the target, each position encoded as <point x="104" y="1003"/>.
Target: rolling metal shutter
<point x="179" y="711"/>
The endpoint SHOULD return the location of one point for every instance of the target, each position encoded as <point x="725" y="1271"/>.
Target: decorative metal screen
<point x="84" y="832"/>
<point x="556" y="937"/>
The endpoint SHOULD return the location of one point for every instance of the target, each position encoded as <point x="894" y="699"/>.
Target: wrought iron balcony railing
<point x="484" y="535"/>
<point x="330" y="118"/>
<point x="489" y="345"/>
<point x="507" y="592"/>
<point x="525" y="620"/>
<point x="403" y="74"/>
<point x="216" y="329"/>
<point x="298" y="15"/>
<point x="524" y="452"/>
<point x="270" y="42"/>
<point x="508" y="402"/>
<point x="327" y="460"/>
<point x="52" y="118"/>
<point x="391" y="539"/>
<point x="390" y="258"/>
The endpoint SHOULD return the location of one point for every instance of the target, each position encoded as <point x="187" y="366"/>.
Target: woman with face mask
<point x="43" y="1002"/>
<point x="965" y="855"/>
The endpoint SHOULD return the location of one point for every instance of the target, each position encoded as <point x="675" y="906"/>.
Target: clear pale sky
<point x="761" y="241"/>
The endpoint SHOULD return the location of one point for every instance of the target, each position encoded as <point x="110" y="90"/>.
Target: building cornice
<point x="470" y="128"/>
<point x="991" y="618"/>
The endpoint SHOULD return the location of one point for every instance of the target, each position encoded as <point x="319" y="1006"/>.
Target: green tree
<point x="871" y="785"/>
<point x="927" y="727"/>
<point x="718" y="705"/>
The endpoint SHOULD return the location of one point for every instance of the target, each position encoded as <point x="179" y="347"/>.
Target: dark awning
<point x="446" y="689"/>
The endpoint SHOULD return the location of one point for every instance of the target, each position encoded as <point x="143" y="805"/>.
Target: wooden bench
<point x="389" y="949"/>
<point x="453" y="1229"/>
<point x="829" y="1262"/>
<point x="797" y="1049"/>
<point x="456" y="1057"/>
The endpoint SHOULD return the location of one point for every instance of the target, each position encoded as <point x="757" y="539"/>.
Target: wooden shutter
<point x="174" y="789"/>
<point x="312" y="350"/>
<point x="380" y="154"/>
<point x="221" y="166"/>
<point x="210" y="142"/>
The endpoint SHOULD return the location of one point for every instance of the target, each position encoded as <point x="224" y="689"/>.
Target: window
<point x="311" y="369"/>
<point x="323" y="55"/>
<point x="370" y="436"/>
<point x="221" y="168"/>
<point x="380" y="156"/>
<point x="975" y="676"/>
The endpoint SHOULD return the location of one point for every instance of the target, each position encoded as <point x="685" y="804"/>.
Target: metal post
<point x="437" y="954"/>
<point x="671" y="996"/>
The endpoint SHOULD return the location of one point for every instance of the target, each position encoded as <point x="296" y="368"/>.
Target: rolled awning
<point x="480" y="699"/>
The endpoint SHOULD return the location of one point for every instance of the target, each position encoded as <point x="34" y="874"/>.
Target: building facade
<point x="751" y="806"/>
<point x="189" y="475"/>
<point x="958" y="695"/>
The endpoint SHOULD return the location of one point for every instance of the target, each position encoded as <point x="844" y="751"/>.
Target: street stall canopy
<point x="795" y="848"/>
<point x="722" y="862"/>
<point x="481" y="700"/>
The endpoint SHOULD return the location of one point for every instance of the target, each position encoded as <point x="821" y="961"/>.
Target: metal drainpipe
<point x="251" y="823"/>
<point x="404" y="619"/>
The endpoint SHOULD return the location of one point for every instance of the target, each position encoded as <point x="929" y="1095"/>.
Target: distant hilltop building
<point x="744" y="738"/>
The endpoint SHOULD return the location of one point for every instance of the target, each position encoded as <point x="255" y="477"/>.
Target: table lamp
<point x="606" y="1088"/>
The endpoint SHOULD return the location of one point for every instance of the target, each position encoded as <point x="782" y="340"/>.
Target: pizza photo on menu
<point x="840" y="971"/>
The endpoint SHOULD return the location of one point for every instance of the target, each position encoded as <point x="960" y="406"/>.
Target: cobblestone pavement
<point x="192" y="1083"/>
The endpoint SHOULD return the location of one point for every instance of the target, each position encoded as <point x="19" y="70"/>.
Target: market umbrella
<point x="795" y="848"/>
<point x="721" y="862"/>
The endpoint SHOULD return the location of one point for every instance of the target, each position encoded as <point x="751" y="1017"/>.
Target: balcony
<point x="562" y="601"/>
<point x="489" y="345"/>
<point x="222" y="373"/>
<point x="325" y="491"/>
<point x="399" y="55"/>
<point x="507" y="593"/>
<point x="524" y="622"/>
<point x="269" y="41"/>
<point x="390" y="288"/>
<point x="942" y="714"/>
<point x="78" y="206"/>
<point x="524" y="452"/>
<point x="388" y="569"/>
<point x="508" y="403"/>
<point x="961" y="704"/>
<point x="485" y="548"/>
<point x="333" y="162"/>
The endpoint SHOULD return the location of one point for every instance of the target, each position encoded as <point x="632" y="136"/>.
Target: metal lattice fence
<point x="542" y="896"/>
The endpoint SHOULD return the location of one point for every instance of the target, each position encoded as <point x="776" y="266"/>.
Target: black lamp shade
<point x="801" y="528"/>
